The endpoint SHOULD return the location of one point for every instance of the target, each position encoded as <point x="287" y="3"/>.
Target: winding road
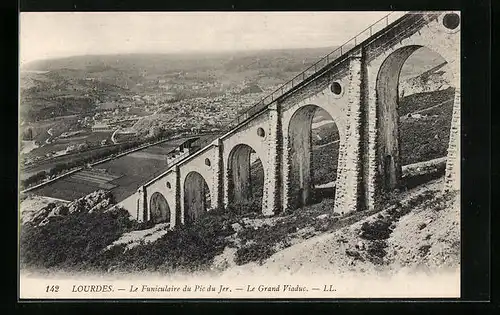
<point x="113" y="136"/>
<point x="432" y="107"/>
<point x="50" y="134"/>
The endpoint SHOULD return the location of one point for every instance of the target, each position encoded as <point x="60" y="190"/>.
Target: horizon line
<point x="177" y="52"/>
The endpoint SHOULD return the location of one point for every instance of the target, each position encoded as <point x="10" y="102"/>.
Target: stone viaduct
<point x="359" y="89"/>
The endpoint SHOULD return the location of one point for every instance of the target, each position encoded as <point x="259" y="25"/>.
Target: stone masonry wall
<point x="247" y="135"/>
<point x="272" y="190"/>
<point x="349" y="182"/>
<point x="161" y="187"/>
<point x="452" y="172"/>
<point x="424" y="30"/>
<point x="131" y="204"/>
<point x="316" y="93"/>
<point x="208" y="172"/>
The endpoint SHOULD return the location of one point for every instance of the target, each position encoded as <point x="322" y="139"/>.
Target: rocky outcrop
<point x="426" y="167"/>
<point x="435" y="79"/>
<point x="99" y="200"/>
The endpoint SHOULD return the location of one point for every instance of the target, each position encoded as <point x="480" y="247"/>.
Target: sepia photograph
<point x="230" y="155"/>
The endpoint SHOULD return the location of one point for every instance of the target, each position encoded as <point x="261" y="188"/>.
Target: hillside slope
<point x="416" y="230"/>
<point x="421" y="232"/>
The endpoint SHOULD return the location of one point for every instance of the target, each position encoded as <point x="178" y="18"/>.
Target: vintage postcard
<point x="228" y="155"/>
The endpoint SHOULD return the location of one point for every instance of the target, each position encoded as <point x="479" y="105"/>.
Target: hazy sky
<point x="47" y="35"/>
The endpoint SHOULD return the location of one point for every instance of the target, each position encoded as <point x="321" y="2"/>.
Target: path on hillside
<point x="429" y="108"/>
<point x="113" y="136"/>
<point x="326" y="144"/>
<point x="28" y="146"/>
<point x="50" y="136"/>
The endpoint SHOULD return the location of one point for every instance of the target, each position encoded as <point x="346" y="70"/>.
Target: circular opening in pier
<point x="451" y="21"/>
<point x="169" y="185"/>
<point x="261" y="132"/>
<point x="207" y="162"/>
<point x="336" y="88"/>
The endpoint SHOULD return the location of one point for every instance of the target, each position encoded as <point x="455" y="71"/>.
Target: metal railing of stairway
<point x="302" y="76"/>
<point x="319" y="65"/>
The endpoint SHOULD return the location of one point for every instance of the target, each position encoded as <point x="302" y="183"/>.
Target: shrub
<point x="376" y="251"/>
<point x="253" y="206"/>
<point x="376" y="230"/>
<point x="262" y="241"/>
<point x="326" y="225"/>
<point x="424" y="250"/>
<point x="144" y="225"/>
<point x="187" y="247"/>
<point x="71" y="240"/>
<point x="79" y="241"/>
<point x="253" y="252"/>
<point x="34" y="179"/>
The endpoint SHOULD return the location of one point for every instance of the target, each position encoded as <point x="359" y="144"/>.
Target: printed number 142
<point x="52" y="288"/>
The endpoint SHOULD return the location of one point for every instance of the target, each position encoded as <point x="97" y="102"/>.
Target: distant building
<point x="101" y="127"/>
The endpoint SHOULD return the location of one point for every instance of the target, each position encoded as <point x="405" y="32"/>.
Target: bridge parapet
<point x="178" y="156"/>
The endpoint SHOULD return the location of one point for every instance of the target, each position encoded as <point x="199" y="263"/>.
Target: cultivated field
<point x="52" y="162"/>
<point x="122" y="176"/>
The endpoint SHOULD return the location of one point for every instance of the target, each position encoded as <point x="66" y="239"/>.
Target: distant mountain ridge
<point x="148" y="60"/>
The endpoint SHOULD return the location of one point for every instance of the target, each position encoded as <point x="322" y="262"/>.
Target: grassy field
<point x="58" y="144"/>
<point x="125" y="174"/>
<point x="124" y="137"/>
<point x="95" y="154"/>
<point x="66" y="189"/>
<point x="58" y="126"/>
<point x="425" y="138"/>
<point x="134" y="171"/>
<point x="325" y="163"/>
<point x="420" y="101"/>
<point x="51" y="163"/>
<point x="128" y="172"/>
<point x="96" y="137"/>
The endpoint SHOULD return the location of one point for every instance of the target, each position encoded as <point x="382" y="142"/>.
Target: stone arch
<point x="245" y="174"/>
<point x="197" y="198"/>
<point x="388" y="96"/>
<point x="158" y="208"/>
<point x="301" y="171"/>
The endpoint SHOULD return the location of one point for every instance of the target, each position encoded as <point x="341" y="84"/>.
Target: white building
<point x="101" y="127"/>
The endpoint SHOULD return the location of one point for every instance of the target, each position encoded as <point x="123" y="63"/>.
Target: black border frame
<point x="476" y="152"/>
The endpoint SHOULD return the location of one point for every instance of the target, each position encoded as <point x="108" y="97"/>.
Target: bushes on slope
<point x="187" y="247"/>
<point x="69" y="241"/>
